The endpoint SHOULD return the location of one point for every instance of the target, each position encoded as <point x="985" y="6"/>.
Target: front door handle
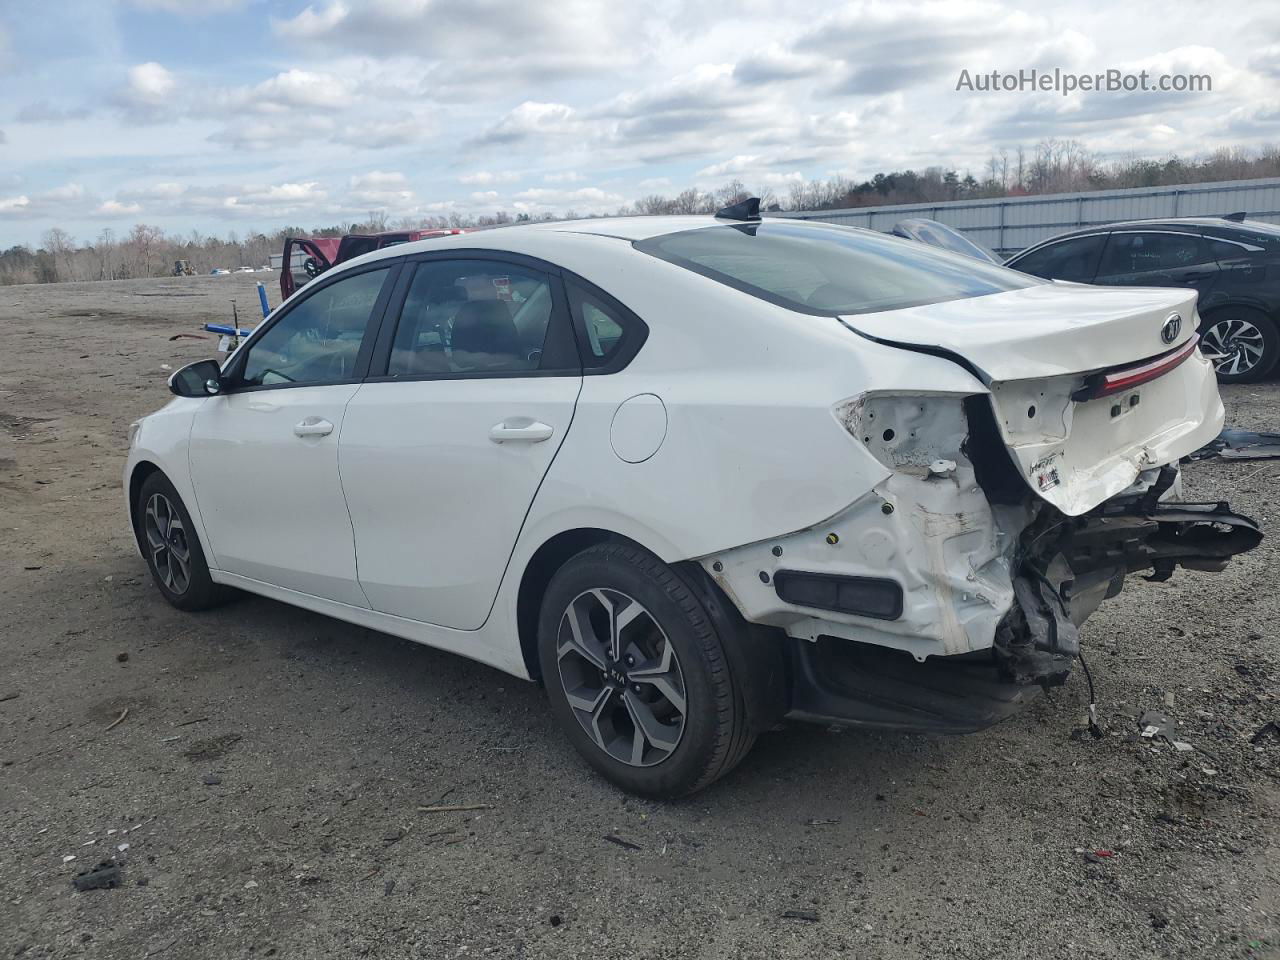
<point x="521" y="429"/>
<point x="313" y="427"/>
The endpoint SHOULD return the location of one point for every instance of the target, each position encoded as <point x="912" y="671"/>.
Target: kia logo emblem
<point x="1172" y="326"/>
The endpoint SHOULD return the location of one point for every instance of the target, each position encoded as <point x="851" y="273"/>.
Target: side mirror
<point x="200" y="379"/>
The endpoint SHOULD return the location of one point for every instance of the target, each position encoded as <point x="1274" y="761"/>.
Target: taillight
<point x="1117" y="381"/>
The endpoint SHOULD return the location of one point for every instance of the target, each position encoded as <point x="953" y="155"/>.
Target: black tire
<point x="731" y="673"/>
<point x="195" y="590"/>
<point x="1225" y="318"/>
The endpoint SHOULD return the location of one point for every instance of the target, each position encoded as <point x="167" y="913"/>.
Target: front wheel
<point x="1243" y="344"/>
<point x="173" y="551"/>
<point x="655" y="692"/>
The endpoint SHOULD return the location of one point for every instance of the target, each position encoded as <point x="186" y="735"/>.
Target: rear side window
<point x="829" y="270"/>
<point x="609" y="334"/>
<point x="1146" y="252"/>
<point x="1075" y="259"/>
<point x="472" y="316"/>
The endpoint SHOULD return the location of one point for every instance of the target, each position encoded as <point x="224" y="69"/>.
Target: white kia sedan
<point x="696" y="474"/>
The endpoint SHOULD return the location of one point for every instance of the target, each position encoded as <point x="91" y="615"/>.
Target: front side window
<point x="829" y="270"/>
<point x="472" y="316"/>
<point x="318" y="340"/>
<point x="1075" y="259"/>
<point x="1129" y="253"/>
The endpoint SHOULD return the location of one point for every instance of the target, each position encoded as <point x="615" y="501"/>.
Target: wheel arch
<point x="137" y="477"/>
<point x="542" y="566"/>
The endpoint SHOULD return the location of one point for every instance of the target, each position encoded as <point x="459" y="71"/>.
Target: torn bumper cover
<point x="1069" y="565"/>
<point x="1072" y="564"/>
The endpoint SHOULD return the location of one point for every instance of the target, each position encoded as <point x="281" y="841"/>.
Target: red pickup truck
<point x="312" y="256"/>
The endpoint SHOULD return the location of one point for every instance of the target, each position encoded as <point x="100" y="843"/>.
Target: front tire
<point x="172" y="549"/>
<point x="657" y="693"/>
<point x="1244" y="342"/>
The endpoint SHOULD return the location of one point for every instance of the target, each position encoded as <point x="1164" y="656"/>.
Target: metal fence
<point x="1010" y="224"/>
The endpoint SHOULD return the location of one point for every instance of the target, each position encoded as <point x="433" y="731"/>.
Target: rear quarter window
<point x="829" y="270"/>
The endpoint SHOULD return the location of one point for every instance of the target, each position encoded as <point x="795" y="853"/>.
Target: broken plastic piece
<point x="1233" y="444"/>
<point x="104" y="876"/>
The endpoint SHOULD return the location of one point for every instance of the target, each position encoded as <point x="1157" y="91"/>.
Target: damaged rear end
<point x="948" y="595"/>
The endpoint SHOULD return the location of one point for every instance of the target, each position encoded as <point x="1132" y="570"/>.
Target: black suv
<point x="1232" y="262"/>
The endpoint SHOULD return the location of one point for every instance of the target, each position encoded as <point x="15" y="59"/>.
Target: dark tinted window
<point x="464" y="316"/>
<point x="318" y="340"/>
<point x="1147" y="252"/>
<point x="1229" y="250"/>
<point x="827" y="269"/>
<point x="1073" y="259"/>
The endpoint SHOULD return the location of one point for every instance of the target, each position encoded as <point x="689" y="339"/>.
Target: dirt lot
<point x="272" y="762"/>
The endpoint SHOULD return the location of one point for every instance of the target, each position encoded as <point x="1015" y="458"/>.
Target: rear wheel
<point x="657" y="693"/>
<point x="172" y="549"/>
<point x="1243" y="343"/>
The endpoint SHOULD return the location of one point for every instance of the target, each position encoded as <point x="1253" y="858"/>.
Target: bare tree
<point x="104" y="253"/>
<point x="61" y="247"/>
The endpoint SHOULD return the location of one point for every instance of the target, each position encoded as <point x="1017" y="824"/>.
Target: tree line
<point x="1052" y="166"/>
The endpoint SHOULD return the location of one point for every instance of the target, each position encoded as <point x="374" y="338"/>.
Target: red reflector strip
<point x="1117" y="381"/>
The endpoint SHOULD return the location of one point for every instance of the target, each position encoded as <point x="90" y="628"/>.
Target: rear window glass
<point x="828" y="270"/>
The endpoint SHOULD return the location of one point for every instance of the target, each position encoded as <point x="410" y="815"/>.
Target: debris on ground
<point x="8" y="696"/>
<point x="1270" y="728"/>
<point x="1154" y="724"/>
<point x="810" y="915"/>
<point x="212" y="779"/>
<point x="118" y="720"/>
<point x="626" y="844"/>
<point x="122" y="657"/>
<point x="455" y="807"/>
<point x="1233" y="444"/>
<point x="821" y="823"/>
<point x="105" y="876"/>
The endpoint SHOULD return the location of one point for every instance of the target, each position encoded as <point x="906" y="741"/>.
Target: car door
<point x="264" y="454"/>
<point x="444" y="449"/>
<point x="1157" y="258"/>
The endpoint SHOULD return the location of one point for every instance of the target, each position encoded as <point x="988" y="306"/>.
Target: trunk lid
<point x="1042" y="352"/>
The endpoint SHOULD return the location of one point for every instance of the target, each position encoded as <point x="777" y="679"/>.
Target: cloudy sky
<point x="224" y="115"/>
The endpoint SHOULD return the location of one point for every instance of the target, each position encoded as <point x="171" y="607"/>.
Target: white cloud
<point x="482" y="178"/>
<point x="114" y="208"/>
<point x="564" y="176"/>
<point x="381" y="188"/>
<point x="148" y="93"/>
<point x="11" y="205"/>
<point x="187" y="8"/>
<point x="532" y="119"/>
<point x="582" y="200"/>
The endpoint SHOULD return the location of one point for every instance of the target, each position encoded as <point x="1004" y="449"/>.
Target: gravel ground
<point x="272" y="763"/>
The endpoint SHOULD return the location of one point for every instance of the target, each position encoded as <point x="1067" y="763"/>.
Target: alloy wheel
<point x="167" y="541"/>
<point x="621" y="677"/>
<point x="1234" y="345"/>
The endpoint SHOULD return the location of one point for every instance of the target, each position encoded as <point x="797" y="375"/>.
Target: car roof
<point x="1216" y="225"/>
<point x="1171" y="223"/>
<point x="543" y="239"/>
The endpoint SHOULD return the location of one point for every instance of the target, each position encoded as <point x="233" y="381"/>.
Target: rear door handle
<point x="313" y="427"/>
<point x="520" y="429"/>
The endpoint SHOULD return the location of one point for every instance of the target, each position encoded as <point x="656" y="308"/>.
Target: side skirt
<point x="477" y="645"/>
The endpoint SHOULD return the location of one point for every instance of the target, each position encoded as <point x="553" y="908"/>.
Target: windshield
<point x="829" y="270"/>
